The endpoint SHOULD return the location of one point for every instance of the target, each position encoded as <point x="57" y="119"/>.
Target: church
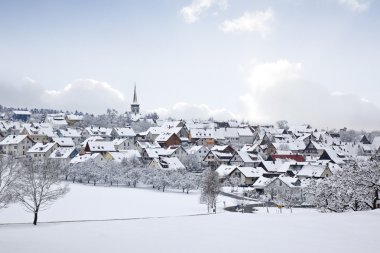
<point x="135" y="108"/>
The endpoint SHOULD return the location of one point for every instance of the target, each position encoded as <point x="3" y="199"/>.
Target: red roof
<point x="297" y="158"/>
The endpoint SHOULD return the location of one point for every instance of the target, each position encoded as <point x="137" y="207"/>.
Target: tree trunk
<point x="375" y="199"/>
<point x="35" y="218"/>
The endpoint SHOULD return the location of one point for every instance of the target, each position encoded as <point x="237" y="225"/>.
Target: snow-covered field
<point x="302" y="231"/>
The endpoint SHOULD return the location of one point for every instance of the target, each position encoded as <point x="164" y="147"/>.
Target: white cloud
<point x="356" y="5"/>
<point x="278" y="91"/>
<point x="260" y="21"/>
<point x="86" y="95"/>
<point x="183" y="110"/>
<point x="192" y="12"/>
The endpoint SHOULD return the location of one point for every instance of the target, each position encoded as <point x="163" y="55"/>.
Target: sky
<point x="306" y="61"/>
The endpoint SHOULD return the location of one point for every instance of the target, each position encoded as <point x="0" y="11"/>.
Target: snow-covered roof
<point x="41" y="147"/>
<point x="157" y="152"/>
<point x="163" y="137"/>
<point x="101" y="146"/>
<point x="251" y="172"/>
<point x="64" y="141"/>
<point x="62" y="152"/>
<point x="247" y="157"/>
<point x="13" y="139"/>
<point x="290" y="181"/>
<point x="39" y="129"/>
<point x="262" y="182"/>
<point x="99" y="131"/>
<point x="194" y="149"/>
<point x="245" y="132"/>
<point x="169" y="163"/>
<point x="202" y="133"/>
<point x="22" y="113"/>
<point x="83" y="158"/>
<point x="91" y="139"/>
<point x="70" y="132"/>
<point x="225" y="170"/>
<point x="74" y="117"/>
<point x="312" y="171"/>
<point x="124" y="131"/>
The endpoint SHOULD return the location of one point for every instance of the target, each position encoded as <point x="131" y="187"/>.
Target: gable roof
<point x="13" y="139"/>
<point x="41" y="147"/>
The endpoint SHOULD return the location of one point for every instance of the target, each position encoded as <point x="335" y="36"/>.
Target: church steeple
<point x="135" y="96"/>
<point x="135" y="107"/>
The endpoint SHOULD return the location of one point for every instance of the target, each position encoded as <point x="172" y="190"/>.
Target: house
<point x="364" y="140"/>
<point x="168" y="139"/>
<point x="41" y="151"/>
<point x="123" y="144"/>
<point x="149" y="154"/>
<point x="141" y="145"/>
<point x="202" y="137"/>
<point x="218" y="155"/>
<point x="246" y="136"/>
<point x="224" y="171"/>
<point x="283" y="186"/>
<point x="166" y="163"/>
<point x="92" y="131"/>
<point x="199" y="152"/>
<point x="38" y="132"/>
<point x="242" y="158"/>
<point x="177" y="151"/>
<point x="314" y="149"/>
<point x="16" y="145"/>
<point x="331" y="155"/>
<point x="57" y="121"/>
<point x="21" y="115"/>
<point x="64" y="141"/>
<point x="91" y="139"/>
<point x="123" y="133"/>
<point x="73" y="119"/>
<point x="247" y="175"/>
<point x="314" y="171"/>
<point x="261" y="183"/>
<point x="293" y="157"/>
<point x="72" y="133"/>
<point x="100" y="147"/>
<point x="97" y="157"/>
<point x="64" y="154"/>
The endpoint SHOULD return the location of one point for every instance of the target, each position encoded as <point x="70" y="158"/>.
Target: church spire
<point x="135" y="107"/>
<point x="135" y="96"/>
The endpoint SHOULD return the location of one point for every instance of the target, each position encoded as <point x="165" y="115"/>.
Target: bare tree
<point x="210" y="189"/>
<point x="9" y="173"/>
<point x="39" y="186"/>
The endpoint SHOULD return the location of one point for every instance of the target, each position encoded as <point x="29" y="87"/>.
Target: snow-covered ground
<point x="303" y="231"/>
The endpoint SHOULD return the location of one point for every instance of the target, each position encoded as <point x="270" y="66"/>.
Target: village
<point x="266" y="160"/>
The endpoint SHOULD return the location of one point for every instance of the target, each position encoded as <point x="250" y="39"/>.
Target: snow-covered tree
<point x="39" y="185"/>
<point x="210" y="189"/>
<point x="354" y="188"/>
<point x="9" y="173"/>
<point x="191" y="163"/>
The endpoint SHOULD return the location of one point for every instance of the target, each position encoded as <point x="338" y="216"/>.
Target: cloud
<point x="260" y="21"/>
<point x="278" y="91"/>
<point x="87" y="95"/>
<point x="183" y="110"/>
<point x="356" y="5"/>
<point x="192" y="12"/>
